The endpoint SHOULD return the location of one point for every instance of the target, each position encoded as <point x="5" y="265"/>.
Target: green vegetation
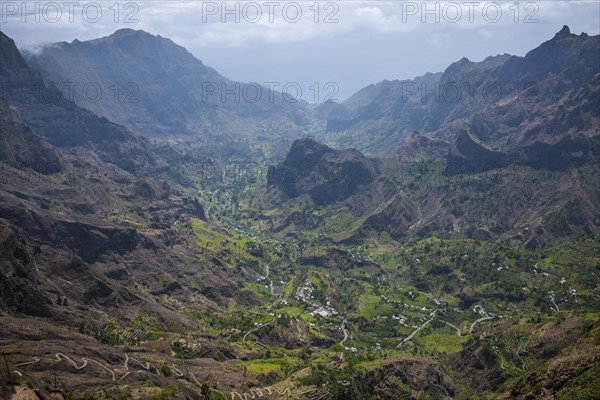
<point x="166" y="392"/>
<point x="335" y="312"/>
<point x="265" y="366"/>
<point x="443" y="342"/>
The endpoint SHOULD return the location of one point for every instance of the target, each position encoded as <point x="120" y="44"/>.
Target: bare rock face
<point x="527" y="107"/>
<point x="21" y="146"/>
<point x="469" y="155"/>
<point x="89" y="241"/>
<point x="327" y="175"/>
<point x="419" y="374"/>
<point x="60" y="121"/>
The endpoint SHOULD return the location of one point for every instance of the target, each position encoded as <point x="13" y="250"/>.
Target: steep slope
<point x="558" y="360"/>
<point x="156" y="87"/>
<point x="60" y="121"/>
<point x="424" y="196"/>
<point x="378" y="117"/>
<point x="544" y="102"/>
<point x="468" y="154"/>
<point x="21" y="146"/>
<point x="92" y="247"/>
<point x="56" y="198"/>
<point x="518" y="167"/>
<point x="325" y="174"/>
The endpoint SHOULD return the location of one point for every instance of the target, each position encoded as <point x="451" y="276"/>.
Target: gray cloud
<point x="371" y="40"/>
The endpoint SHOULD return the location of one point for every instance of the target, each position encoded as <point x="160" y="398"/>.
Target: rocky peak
<point x="327" y="175"/>
<point x="468" y="155"/>
<point x="306" y="150"/>
<point x="128" y="31"/>
<point x="563" y="33"/>
<point x="164" y="89"/>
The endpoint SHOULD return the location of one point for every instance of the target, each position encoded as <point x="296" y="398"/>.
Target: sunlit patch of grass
<point x="443" y="342"/>
<point x="289" y="289"/>
<point x="265" y="366"/>
<point x="371" y="306"/>
<point x="308" y="318"/>
<point x="261" y="291"/>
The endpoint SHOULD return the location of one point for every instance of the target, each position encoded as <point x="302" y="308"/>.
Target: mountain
<point x="325" y="174"/>
<point x="463" y="263"/>
<point x="158" y="88"/>
<point x="378" y="116"/>
<point x="542" y="103"/>
<point x="60" y="121"/>
<point x="21" y="146"/>
<point x="516" y="168"/>
<point x="427" y="197"/>
<point x="472" y="203"/>
<point x="61" y="185"/>
<point x="95" y="234"/>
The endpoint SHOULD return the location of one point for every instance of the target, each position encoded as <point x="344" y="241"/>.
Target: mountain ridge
<point x="505" y="87"/>
<point x="429" y="183"/>
<point x="165" y="91"/>
<point x="464" y="263"/>
<point x="60" y="121"/>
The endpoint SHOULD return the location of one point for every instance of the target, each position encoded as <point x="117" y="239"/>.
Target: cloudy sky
<point x="350" y="44"/>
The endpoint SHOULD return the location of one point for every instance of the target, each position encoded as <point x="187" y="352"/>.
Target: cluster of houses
<point x="400" y="318"/>
<point x="323" y="311"/>
<point x="360" y="256"/>
<point x="304" y="294"/>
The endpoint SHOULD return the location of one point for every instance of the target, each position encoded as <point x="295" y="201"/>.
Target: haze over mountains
<point x="434" y="237"/>
<point x="161" y="89"/>
<point x="507" y="101"/>
<point x="60" y="121"/>
<point x="544" y="116"/>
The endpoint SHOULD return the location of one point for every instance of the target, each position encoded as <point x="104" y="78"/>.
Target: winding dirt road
<point x="458" y="330"/>
<point x="255" y="329"/>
